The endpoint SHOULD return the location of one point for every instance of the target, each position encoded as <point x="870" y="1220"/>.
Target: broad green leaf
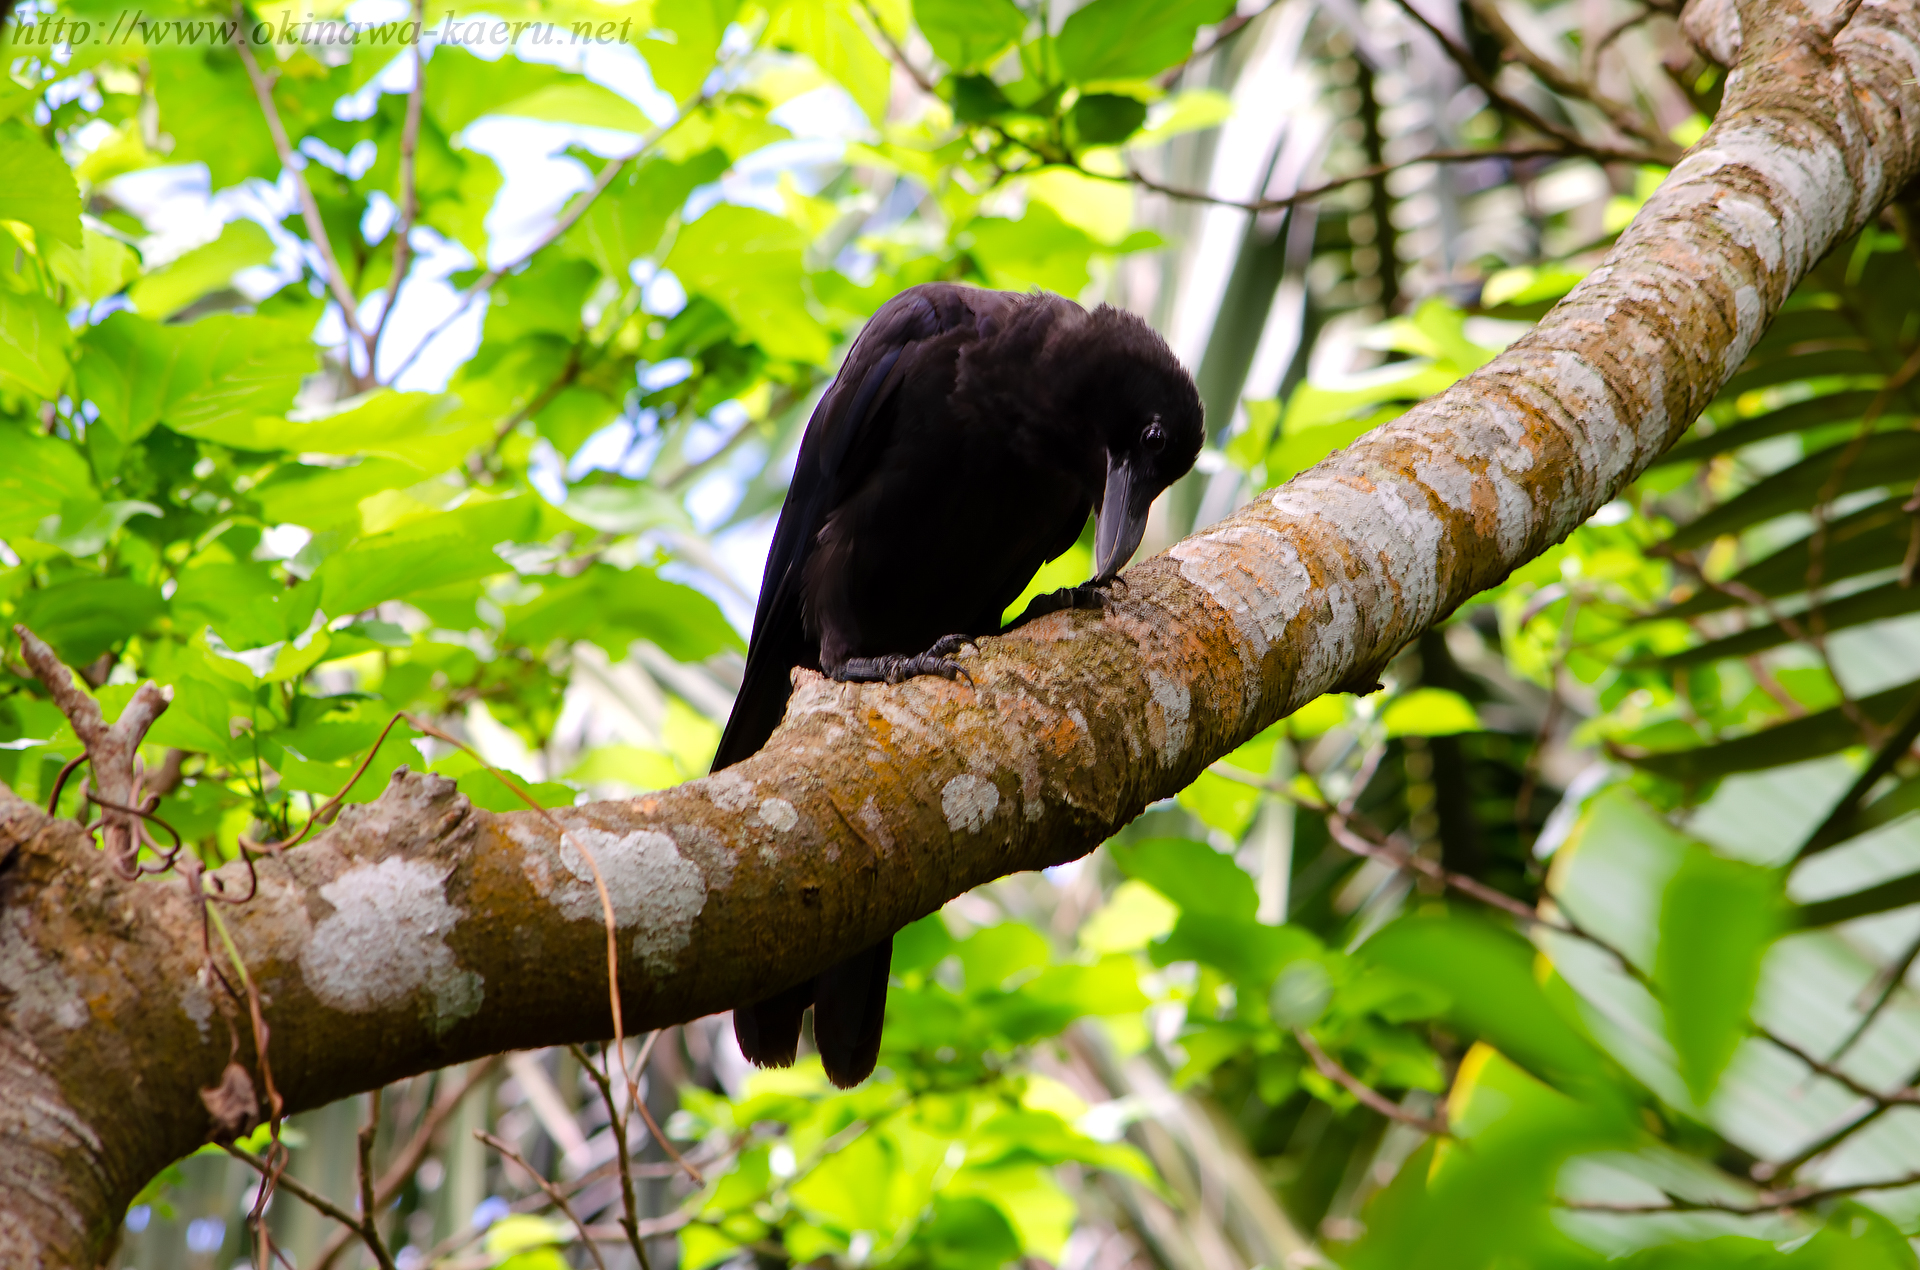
<point x="749" y="262"/>
<point x="825" y="30"/>
<point x="680" y="52"/>
<point x="98" y="269"/>
<point x="629" y="765"/>
<point x="1134" y="916"/>
<point x="969" y="33"/>
<point x="546" y="297"/>
<point x="614" y="607"/>
<point x="1883" y="897"/>
<point x="1717" y="918"/>
<point x="1487" y="973"/>
<point x="625" y="223"/>
<point x="1429" y="712"/>
<point x="33" y="344"/>
<point x="1202" y="881"/>
<point x="1131" y="39"/>
<point x="578" y="101"/>
<point x="455" y="547"/>
<point x="82" y="527"/>
<point x="993" y="955"/>
<point x="39" y="475"/>
<point x="322" y="497"/>
<point x="1038" y="250"/>
<point x="1244" y="950"/>
<point x="208" y="108"/>
<point x="84" y="617"/>
<point x="215" y="378"/>
<point x="1105" y="118"/>
<point x="39" y="191"/>
<point x="167" y="290"/>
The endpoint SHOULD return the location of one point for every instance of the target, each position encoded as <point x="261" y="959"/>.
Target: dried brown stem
<point x="552" y="1192"/>
<point x="1628" y="120"/>
<point x="409" y="193"/>
<point x="318" y="1202"/>
<point x="1325" y="1064"/>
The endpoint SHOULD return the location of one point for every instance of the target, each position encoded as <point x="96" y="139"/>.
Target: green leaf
<point x="167" y="290"/>
<point x="1429" y="712"/>
<point x="1105" y="118"/>
<point x="638" y="769"/>
<point x="215" y="378"/>
<point x="1830" y="408"/>
<point x="613" y="608"/>
<point x="99" y="269"/>
<point x="208" y="107"/>
<point x="1131" y="39"/>
<point x="322" y="497"/>
<point x="84" y="617"/>
<point x="82" y="527"/>
<point x="1487" y="974"/>
<point x="1717" y="918"/>
<point x="455" y="546"/>
<point x="969" y="33"/>
<point x="34" y="338"/>
<point x="39" y="476"/>
<point x="749" y="263"/>
<point x="625" y="223"/>
<point x="825" y="30"/>
<point x="1038" y="250"/>
<point x="1202" y="881"/>
<point x="680" y="52"/>
<point x="39" y="191"/>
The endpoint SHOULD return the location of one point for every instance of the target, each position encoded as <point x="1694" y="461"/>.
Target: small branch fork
<point x="112" y="753"/>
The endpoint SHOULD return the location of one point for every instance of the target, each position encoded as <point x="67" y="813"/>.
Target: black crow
<point x="964" y="443"/>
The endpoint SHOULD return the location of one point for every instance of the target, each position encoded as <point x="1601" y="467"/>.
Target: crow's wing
<point x="849" y="430"/>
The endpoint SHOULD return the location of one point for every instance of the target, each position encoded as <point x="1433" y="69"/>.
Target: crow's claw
<point x="893" y="668"/>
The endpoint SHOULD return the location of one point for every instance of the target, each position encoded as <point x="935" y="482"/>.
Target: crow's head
<point x="1149" y="417"/>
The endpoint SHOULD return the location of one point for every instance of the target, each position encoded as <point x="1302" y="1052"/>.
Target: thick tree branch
<point x="418" y="931"/>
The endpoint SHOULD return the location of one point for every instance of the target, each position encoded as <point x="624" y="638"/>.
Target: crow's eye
<point x="1154" y="439"/>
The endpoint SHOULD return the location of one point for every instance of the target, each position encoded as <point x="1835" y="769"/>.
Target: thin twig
<point x="1622" y="116"/>
<point x="1891" y="979"/>
<point x="1436" y="1125"/>
<point x="407" y="1160"/>
<point x="1518" y="109"/>
<point x="363" y="1166"/>
<point x="1229" y="27"/>
<point x="1766" y="1202"/>
<point x="316" y="1201"/>
<point x="553" y="1193"/>
<point x="572" y="213"/>
<point x="1374" y="173"/>
<point x="409" y="191"/>
<point x="296" y="163"/>
<point x="1590" y="58"/>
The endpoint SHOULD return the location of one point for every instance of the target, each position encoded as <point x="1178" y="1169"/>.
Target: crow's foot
<point x="896" y="668"/>
<point x="1087" y="595"/>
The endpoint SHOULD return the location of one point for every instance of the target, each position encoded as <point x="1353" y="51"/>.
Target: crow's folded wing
<point x="849" y="431"/>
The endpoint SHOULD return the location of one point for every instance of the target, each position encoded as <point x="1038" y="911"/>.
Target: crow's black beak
<point x="1122" y="521"/>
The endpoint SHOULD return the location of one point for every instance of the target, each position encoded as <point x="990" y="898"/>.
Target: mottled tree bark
<point x="420" y="931"/>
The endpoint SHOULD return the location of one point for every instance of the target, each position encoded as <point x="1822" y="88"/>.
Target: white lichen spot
<point x="969" y="802"/>
<point x="1167" y="716"/>
<point x="778" y="814"/>
<point x="729" y="791"/>
<point x="196" y="1002"/>
<point x="385" y="943"/>
<point x="655" y="890"/>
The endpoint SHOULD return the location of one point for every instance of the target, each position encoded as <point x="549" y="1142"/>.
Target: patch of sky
<point x="658" y="375"/>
